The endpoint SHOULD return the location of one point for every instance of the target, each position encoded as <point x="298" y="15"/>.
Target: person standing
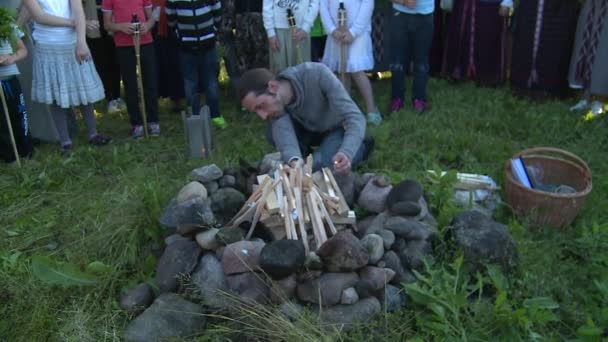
<point x="64" y="74"/>
<point x="287" y="49"/>
<point x="195" y="21"/>
<point x="117" y="17"/>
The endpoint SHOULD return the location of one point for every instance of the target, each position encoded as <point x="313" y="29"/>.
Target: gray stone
<point x="372" y="198"/>
<point x="313" y="261"/>
<point x="364" y="224"/>
<point x="281" y="258"/>
<point x="167" y="219"/>
<point x="283" y="290"/>
<point x="343" y="252"/>
<point x="190" y="191"/>
<point x="402" y="275"/>
<point x="483" y="241"/>
<point x="346" y="317"/>
<point x="270" y="162"/>
<point x="362" y="180"/>
<point x="250" y="286"/>
<point x="227" y="181"/>
<point x="376" y="276"/>
<point x="388" y="238"/>
<point x="291" y="310"/>
<point x="226" y="202"/>
<point x="375" y="247"/>
<point x="308" y="275"/>
<point x="365" y="288"/>
<point x="349" y="296"/>
<point x="408" y="190"/>
<point x="392" y="298"/>
<point x="424" y="210"/>
<point x="327" y="289"/>
<point x="170" y="316"/>
<point x="415" y="252"/>
<point x="179" y="257"/>
<point x="137" y="299"/>
<point x="377" y="224"/>
<point x="193" y="215"/>
<point x="207" y="239"/>
<point x="230" y="171"/>
<point x="228" y="235"/>
<point x="206" y="174"/>
<point x="211" y="282"/>
<point x="211" y="187"/>
<point x="407" y="228"/>
<point x="220" y="252"/>
<point x="346" y="182"/>
<point x="242" y="256"/>
<point x="405" y="208"/>
<point x="173" y="238"/>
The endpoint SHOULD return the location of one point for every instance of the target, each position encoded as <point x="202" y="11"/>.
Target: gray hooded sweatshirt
<point x="320" y="104"/>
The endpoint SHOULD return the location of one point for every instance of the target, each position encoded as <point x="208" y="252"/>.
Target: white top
<point x="6" y="49"/>
<point x="55" y="34"/>
<point x="274" y="13"/>
<point x="358" y="16"/>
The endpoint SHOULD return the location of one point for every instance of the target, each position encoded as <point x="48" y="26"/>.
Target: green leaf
<point x="98" y="267"/>
<point x="12" y="233"/>
<point x="62" y="274"/>
<point x="541" y="303"/>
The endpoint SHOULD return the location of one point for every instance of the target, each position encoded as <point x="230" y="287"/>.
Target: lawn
<point x="101" y="205"/>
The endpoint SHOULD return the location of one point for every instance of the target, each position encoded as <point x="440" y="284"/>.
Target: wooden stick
<point x="330" y="190"/>
<point x="10" y="126"/>
<point x="279" y="189"/>
<point x="252" y="198"/>
<point x="343" y="210"/>
<point x="259" y="206"/>
<point x="140" y="84"/>
<point x="301" y="224"/>
<point x="316" y="218"/>
<point x="315" y="228"/>
<point x="324" y="213"/>
<point x="286" y="217"/>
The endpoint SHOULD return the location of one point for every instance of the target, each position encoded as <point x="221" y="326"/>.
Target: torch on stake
<point x="342" y="27"/>
<point x="140" y="85"/>
<point x="10" y="127"/>
<point x="292" y="27"/>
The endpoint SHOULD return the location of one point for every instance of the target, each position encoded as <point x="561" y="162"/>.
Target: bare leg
<point x="365" y="88"/>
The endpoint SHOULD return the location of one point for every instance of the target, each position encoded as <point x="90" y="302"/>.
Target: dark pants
<point x="126" y="59"/>
<point x="317" y="48"/>
<point x="199" y="69"/>
<point x="103" y="52"/>
<point x="18" y="115"/>
<point x="323" y="146"/>
<point x="411" y="39"/>
<point x="169" y="78"/>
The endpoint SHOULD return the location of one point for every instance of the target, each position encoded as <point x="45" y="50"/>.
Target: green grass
<point x="103" y="204"/>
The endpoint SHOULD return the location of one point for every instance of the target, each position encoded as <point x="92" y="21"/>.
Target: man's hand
<point x="337" y="34"/>
<point x="273" y="44"/>
<point x="7" y="60"/>
<point x="83" y="54"/>
<point x="347" y="38"/>
<point x="503" y="11"/>
<point x="342" y="163"/>
<point x="299" y="35"/>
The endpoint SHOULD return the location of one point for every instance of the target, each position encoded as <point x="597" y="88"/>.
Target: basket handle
<point x="563" y="153"/>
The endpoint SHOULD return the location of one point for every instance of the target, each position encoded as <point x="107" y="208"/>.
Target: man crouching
<point x="307" y="107"/>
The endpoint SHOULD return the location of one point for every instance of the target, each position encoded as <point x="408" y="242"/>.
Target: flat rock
<point x="137" y="299"/>
<point x="375" y="247"/>
<point x="211" y="282"/>
<point x="206" y="174"/>
<point x="190" y="191"/>
<point x="407" y="228"/>
<point x="250" y="286"/>
<point x="346" y="317"/>
<point x="376" y="276"/>
<point x="242" y="256"/>
<point x="408" y="190"/>
<point x="207" y="239"/>
<point x="373" y="197"/>
<point x="283" y="290"/>
<point x="170" y="316"/>
<point x="281" y="258"/>
<point x="343" y="252"/>
<point x="405" y="208"/>
<point x="327" y="289"/>
<point x="228" y="235"/>
<point x="180" y="257"/>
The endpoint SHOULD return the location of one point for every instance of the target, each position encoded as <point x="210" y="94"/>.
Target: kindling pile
<point x="291" y="197"/>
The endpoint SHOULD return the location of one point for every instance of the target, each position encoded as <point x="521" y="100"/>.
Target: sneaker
<point x="100" y="140"/>
<point x="121" y="104"/>
<point x="219" y="122"/>
<point x="419" y="106"/>
<point x="66" y="149"/>
<point x="137" y="131"/>
<point x="396" y="105"/>
<point x="374" y="118"/>
<point x="154" y="129"/>
<point x="580" y="105"/>
<point x="113" y="107"/>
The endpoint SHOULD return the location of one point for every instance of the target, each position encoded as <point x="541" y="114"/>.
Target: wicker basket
<point x="539" y="208"/>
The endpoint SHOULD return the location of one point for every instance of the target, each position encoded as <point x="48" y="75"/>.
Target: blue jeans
<point x="411" y="38"/>
<point x="327" y="145"/>
<point x="199" y="71"/>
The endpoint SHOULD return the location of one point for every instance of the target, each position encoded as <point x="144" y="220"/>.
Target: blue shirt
<point x="422" y="7"/>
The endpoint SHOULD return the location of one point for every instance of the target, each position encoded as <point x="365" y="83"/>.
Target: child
<point x="281" y="42"/>
<point x="64" y="74"/>
<point x="411" y="36"/>
<point x="197" y="53"/>
<point x="117" y="16"/>
<point x="14" y="99"/>
<point x="359" y="51"/>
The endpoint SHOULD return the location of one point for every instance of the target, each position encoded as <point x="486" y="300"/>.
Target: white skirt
<point x="359" y="54"/>
<point x="58" y="78"/>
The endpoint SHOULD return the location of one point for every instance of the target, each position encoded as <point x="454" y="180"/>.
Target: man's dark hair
<point x="254" y="80"/>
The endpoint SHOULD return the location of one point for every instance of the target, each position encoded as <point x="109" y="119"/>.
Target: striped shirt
<point x="7" y="71"/>
<point x="196" y="22"/>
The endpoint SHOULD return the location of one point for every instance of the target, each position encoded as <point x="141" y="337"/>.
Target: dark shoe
<point x="66" y="149"/>
<point x="368" y="145"/>
<point x="396" y="105"/>
<point x="100" y="140"/>
<point x="420" y="106"/>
